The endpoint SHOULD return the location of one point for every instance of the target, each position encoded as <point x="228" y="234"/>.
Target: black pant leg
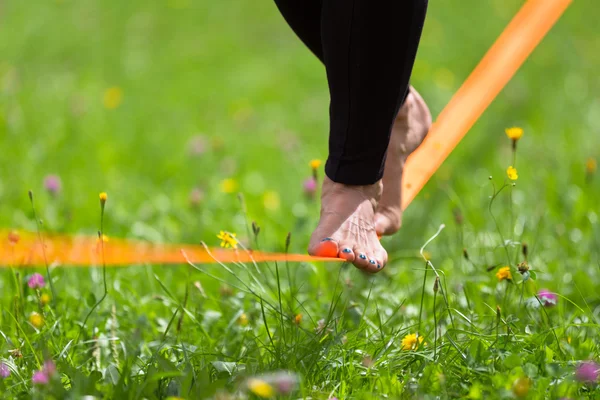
<point x="369" y="50"/>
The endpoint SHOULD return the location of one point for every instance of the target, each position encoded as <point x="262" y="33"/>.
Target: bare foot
<point x="346" y="227"/>
<point x="411" y="126"/>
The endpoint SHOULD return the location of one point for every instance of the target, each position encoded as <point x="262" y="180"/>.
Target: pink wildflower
<point x="36" y="281"/>
<point x="52" y="184"/>
<point x="4" y="371"/>
<point x="49" y="368"/>
<point x="285" y="382"/>
<point x="196" y="196"/>
<point x="40" y="378"/>
<point x="547" y="298"/>
<point x="197" y="145"/>
<point x="310" y="187"/>
<point x="587" y="372"/>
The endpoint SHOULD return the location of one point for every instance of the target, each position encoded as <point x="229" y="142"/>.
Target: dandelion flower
<point x="113" y="97"/>
<point x="504" y="273"/>
<point x="587" y="372"/>
<point x="547" y="298"/>
<point x="521" y="387"/>
<point x="411" y="341"/>
<point x="298" y="319"/>
<point x="36" y="281"/>
<point x="228" y="185"/>
<point x="45" y="299"/>
<point x="261" y="388"/>
<point x="103" y="197"/>
<point x="36" y="320"/>
<point x="52" y="184"/>
<point x="243" y="319"/>
<point x="315" y="164"/>
<point x="271" y="200"/>
<point x="514" y="133"/>
<point x="511" y="172"/>
<point x="227" y="239"/>
<point x="4" y="371"/>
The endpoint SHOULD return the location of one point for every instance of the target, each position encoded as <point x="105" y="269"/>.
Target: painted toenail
<point x="362" y="257"/>
<point x="372" y="262"/>
<point x="347" y="250"/>
<point x="326" y="240"/>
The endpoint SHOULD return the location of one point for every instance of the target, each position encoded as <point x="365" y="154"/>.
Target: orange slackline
<point x="497" y="67"/>
<point x="25" y="249"/>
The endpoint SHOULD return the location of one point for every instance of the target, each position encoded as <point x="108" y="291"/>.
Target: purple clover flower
<point x="4" y="371"/>
<point x="547" y="298"/>
<point x="52" y="184"/>
<point x="310" y="187"/>
<point x="36" y="281"/>
<point x="587" y="372"/>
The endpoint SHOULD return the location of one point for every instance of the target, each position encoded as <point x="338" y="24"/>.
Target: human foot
<point x="411" y="126"/>
<point x="346" y="227"/>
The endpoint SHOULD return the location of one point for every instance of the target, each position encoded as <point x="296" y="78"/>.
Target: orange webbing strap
<point x="86" y="251"/>
<point x="497" y="67"/>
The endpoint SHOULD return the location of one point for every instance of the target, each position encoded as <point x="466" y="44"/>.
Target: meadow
<point x="197" y="117"/>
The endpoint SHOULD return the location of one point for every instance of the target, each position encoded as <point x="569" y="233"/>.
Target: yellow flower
<point x="271" y="200"/>
<point x="411" y="341"/>
<point x="243" y="319"/>
<point x="314" y="164"/>
<point x="521" y="387"/>
<point x="228" y="185"/>
<point x="44" y="299"/>
<point x="103" y="196"/>
<point x="36" y="320"/>
<point x="591" y="165"/>
<point x="113" y="97"/>
<point x="511" y="172"/>
<point x="514" y="133"/>
<point x="227" y="239"/>
<point x="504" y="273"/>
<point x="298" y="319"/>
<point x="261" y="388"/>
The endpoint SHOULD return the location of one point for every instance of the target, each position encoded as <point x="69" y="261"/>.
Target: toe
<point x="327" y="247"/>
<point x="361" y="260"/>
<point x="346" y="252"/>
<point x="380" y="257"/>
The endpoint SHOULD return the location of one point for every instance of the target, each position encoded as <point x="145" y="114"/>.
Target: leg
<point x="369" y="49"/>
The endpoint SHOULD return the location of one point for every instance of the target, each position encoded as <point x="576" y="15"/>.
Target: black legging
<point x="368" y="48"/>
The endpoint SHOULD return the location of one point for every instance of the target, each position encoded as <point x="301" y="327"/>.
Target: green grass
<point x="235" y="73"/>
